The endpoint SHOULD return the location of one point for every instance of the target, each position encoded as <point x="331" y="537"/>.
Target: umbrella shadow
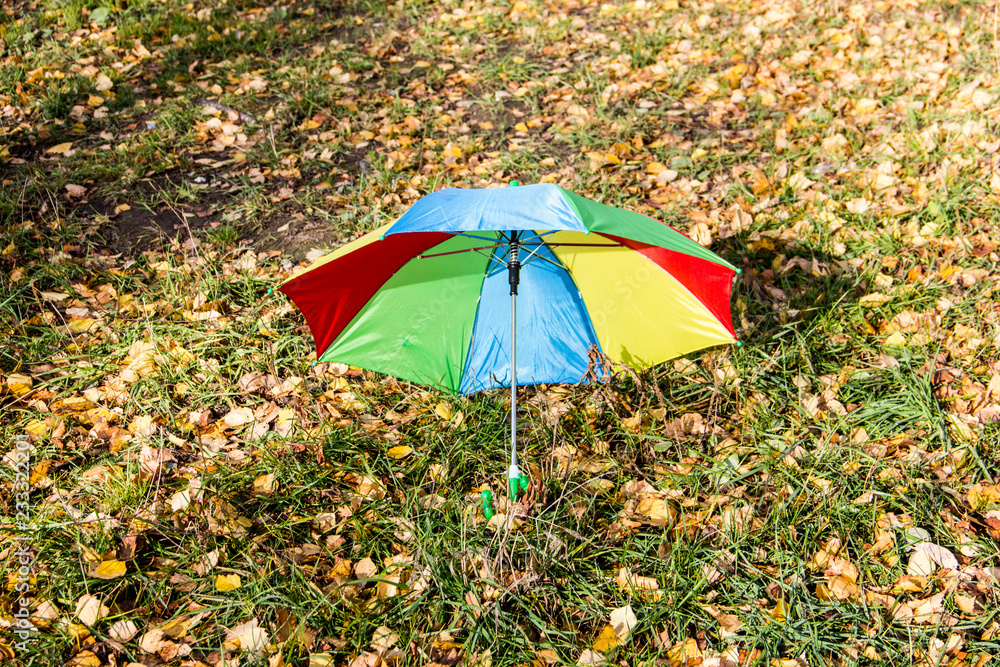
<point x="795" y="312"/>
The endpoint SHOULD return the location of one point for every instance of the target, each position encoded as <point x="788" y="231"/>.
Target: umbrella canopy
<point x="427" y="297"/>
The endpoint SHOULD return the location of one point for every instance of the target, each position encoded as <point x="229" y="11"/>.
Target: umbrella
<point x="433" y="296"/>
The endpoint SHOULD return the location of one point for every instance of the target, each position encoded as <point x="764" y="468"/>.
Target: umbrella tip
<point x="514" y="184"/>
<point x="739" y="343"/>
<point x="270" y="290"/>
<point x="314" y="363"/>
<point x="739" y="271"/>
<point x="382" y="238"/>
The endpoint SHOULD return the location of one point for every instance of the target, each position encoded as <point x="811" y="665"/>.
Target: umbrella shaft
<point x="514" y="276"/>
<point x="513" y="379"/>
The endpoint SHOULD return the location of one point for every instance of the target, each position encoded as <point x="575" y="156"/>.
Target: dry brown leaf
<point x="123" y="631"/>
<point x="248" y="637"/>
<point x="265" y="485"/>
<point x="90" y="609"/>
<point x="623" y="620"/>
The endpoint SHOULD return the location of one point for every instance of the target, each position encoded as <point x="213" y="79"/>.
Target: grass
<point x="770" y="495"/>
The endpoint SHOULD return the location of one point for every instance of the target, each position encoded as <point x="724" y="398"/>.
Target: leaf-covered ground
<point x="198" y="493"/>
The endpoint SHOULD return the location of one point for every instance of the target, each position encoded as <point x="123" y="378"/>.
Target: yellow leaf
<point x="109" y="569"/>
<point x="874" y="299"/>
<point x="84" y="659"/>
<point x="606" y="641"/>
<point x="443" y="410"/>
<point x="59" y="149"/>
<point x="521" y="127"/>
<point x="634" y="582"/>
<point x="780" y="611"/>
<point x="40" y="429"/>
<point x="896" y="339"/>
<point x="18" y="384"/>
<point x="82" y="325"/>
<point x="843" y="588"/>
<point x="685" y="654"/>
<point x="758" y="182"/>
<point x="265" y="485"/>
<point x="655" y="167"/>
<point x="400" y="452"/>
<point x="227" y="582"/>
<point x="95" y="100"/>
<point x="176" y="629"/>
<point x="657" y="511"/>
<point x="983" y="495"/>
<point x="103" y="83"/>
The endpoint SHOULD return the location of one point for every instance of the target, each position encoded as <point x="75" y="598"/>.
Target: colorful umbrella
<point x="433" y="297"/>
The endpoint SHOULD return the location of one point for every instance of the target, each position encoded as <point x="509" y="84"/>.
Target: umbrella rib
<point x="558" y="265"/>
<point x="539" y="240"/>
<point x="455" y="252"/>
<point x="479" y="238"/>
<point x="585" y="245"/>
<point x="534" y="253"/>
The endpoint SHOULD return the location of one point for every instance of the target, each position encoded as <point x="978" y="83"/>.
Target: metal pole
<point x="513" y="379"/>
<point x="515" y="482"/>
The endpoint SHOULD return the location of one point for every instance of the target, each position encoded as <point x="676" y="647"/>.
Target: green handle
<point x="517" y="485"/>
<point x="487" y="497"/>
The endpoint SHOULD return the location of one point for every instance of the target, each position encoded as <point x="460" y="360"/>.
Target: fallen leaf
<point x="109" y="569"/>
<point x="606" y="640"/>
<point x="365" y="569"/>
<point x="154" y="641"/>
<point x="383" y="639"/>
<point x="123" y="631"/>
<point x="227" y="582"/>
<point x="399" y="452"/>
<point x="896" y="339"/>
<point x="684" y="654"/>
<point x="874" y="299"/>
<point x="248" y="637"/>
<point x="265" y="485"/>
<point x="927" y="557"/>
<point x="238" y="417"/>
<point x="591" y="657"/>
<point x="18" y="384"/>
<point x="443" y="410"/>
<point x="59" y="149"/>
<point x="83" y="659"/>
<point x="623" y="620"/>
<point x="90" y="609"/>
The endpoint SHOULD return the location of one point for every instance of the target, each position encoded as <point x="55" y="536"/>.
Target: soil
<point x="140" y="228"/>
